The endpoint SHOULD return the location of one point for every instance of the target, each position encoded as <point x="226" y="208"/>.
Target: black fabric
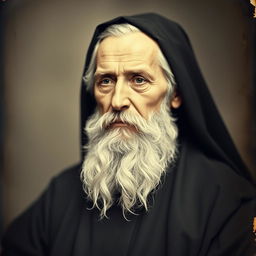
<point x="204" y="206"/>
<point x="206" y="210"/>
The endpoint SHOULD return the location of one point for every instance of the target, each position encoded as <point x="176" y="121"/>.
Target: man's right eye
<point x="106" y="81"/>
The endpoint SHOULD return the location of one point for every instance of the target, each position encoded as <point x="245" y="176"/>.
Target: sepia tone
<point x="45" y="44"/>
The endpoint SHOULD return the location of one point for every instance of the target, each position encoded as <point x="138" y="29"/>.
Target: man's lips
<point x="119" y="124"/>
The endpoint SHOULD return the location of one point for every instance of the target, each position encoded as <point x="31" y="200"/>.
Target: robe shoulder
<point x="216" y="201"/>
<point x="35" y="230"/>
<point x="197" y="168"/>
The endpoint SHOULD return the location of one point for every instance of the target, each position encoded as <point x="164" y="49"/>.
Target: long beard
<point x="128" y="161"/>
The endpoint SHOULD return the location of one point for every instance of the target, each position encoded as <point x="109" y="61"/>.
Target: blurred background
<point x="43" y="47"/>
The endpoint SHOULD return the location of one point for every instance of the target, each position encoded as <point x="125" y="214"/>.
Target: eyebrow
<point x="98" y="75"/>
<point x="141" y="72"/>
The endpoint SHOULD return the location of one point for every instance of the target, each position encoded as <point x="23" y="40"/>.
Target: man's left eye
<point x="139" y="80"/>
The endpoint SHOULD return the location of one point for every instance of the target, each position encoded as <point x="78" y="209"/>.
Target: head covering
<point x="198" y="118"/>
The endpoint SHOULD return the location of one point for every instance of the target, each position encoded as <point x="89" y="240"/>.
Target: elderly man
<point x="159" y="173"/>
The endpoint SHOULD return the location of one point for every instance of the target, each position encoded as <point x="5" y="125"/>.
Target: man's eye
<point x="139" y="80"/>
<point x="106" y="81"/>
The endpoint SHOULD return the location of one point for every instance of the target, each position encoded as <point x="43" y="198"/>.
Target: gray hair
<point x="118" y="30"/>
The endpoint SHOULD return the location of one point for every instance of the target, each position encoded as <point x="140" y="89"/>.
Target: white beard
<point x="127" y="161"/>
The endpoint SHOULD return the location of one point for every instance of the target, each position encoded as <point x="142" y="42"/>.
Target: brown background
<point x="45" y="43"/>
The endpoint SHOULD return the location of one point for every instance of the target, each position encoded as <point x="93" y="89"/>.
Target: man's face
<point x="129" y="87"/>
<point x="128" y="75"/>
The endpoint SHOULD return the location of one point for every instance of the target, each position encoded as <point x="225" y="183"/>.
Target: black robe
<point x="204" y="206"/>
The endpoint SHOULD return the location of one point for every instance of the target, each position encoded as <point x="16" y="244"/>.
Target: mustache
<point x="154" y="123"/>
<point x="125" y="117"/>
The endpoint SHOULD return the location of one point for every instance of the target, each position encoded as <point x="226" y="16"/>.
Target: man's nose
<point x="120" y="99"/>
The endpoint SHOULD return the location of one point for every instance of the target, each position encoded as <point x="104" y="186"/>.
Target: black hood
<point x="198" y="118"/>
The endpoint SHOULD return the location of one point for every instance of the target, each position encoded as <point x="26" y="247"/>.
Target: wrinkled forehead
<point x="129" y="47"/>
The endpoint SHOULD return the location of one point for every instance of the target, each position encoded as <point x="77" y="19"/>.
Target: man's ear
<point x="175" y="100"/>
